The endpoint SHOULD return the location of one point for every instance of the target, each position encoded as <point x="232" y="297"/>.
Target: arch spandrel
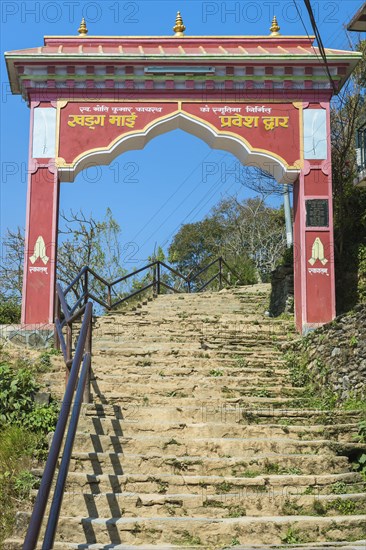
<point x="96" y="133"/>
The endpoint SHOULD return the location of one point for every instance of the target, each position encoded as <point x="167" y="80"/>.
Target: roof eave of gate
<point x="269" y="45"/>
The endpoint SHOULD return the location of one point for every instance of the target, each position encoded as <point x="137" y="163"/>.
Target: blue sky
<point x="153" y="191"/>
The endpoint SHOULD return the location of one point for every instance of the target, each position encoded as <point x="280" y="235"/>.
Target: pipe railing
<point x="83" y="279"/>
<point x="77" y="391"/>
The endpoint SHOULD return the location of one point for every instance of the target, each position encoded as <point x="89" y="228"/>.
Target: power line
<point x="198" y="204"/>
<point x="193" y="190"/>
<point x="320" y="43"/>
<point x="318" y="38"/>
<point x="170" y="197"/>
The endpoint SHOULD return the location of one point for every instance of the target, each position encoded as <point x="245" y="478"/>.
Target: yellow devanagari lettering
<point x="123" y="120"/>
<point x="250" y="121"/>
<point x="90" y="121"/>
<point x="269" y="122"/>
<point x="76" y="119"/>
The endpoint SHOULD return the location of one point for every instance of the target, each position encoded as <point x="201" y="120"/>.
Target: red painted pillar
<point x="41" y="221"/>
<point x="313" y="234"/>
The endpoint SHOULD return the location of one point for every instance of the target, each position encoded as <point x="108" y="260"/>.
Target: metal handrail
<point x="157" y="283"/>
<point x="82" y="353"/>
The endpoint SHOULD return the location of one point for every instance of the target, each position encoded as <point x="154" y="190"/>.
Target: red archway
<point x="265" y="99"/>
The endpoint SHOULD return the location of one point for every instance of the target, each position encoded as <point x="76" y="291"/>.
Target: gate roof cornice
<point x="285" y="61"/>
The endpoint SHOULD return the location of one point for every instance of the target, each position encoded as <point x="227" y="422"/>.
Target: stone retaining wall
<point x="336" y="354"/>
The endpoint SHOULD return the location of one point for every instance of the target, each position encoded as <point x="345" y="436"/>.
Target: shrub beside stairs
<point x="195" y="437"/>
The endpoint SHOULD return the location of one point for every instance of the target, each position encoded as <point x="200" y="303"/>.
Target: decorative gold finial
<point x="275" y="29"/>
<point x="179" y="27"/>
<point x="82" y="30"/>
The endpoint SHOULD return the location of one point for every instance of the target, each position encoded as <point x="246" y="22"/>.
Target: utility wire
<point x="320" y="43"/>
<point x="217" y="184"/>
<point x="170" y="197"/>
<point x="204" y="196"/>
<point x="318" y="38"/>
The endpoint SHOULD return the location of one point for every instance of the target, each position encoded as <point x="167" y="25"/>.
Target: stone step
<point x="229" y="447"/>
<point x="217" y="334"/>
<point x="225" y="375"/>
<point x="181" y="350"/>
<point x="202" y="388"/>
<point x="146" y="364"/>
<point x="208" y="531"/>
<point x="253" y="338"/>
<point x="146" y="367"/>
<point x="120" y="463"/>
<point x="293" y="484"/>
<point x="255" y="502"/>
<point x="118" y="427"/>
<point x="222" y="412"/>
<point x="17" y="544"/>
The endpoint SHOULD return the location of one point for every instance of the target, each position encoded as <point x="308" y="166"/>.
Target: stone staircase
<point x="195" y="437"/>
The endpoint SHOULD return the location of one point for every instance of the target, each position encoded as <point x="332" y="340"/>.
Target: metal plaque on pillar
<point x="317" y="213"/>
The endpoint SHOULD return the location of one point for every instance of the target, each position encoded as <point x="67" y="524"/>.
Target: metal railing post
<point x="88" y="349"/>
<point x="220" y="273"/>
<point x="154" y="282"/>
<point x="68" y="350"/>
<point x="158" y="278"/>
<point x="57" y="316"/>
<point x="86" y="286"/>
<point x="109" y="297"/>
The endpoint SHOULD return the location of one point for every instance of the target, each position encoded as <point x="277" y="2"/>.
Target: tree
<point x="87" y="241"/>
<point x="261" y="182"/>
<point x="347" y="114"/>
<point x="83" y="240"/>
<point x="146" y="278"/>
<point x="12" y="264"/>
<point x="251" y="228"/>
<point x="249" y="235"/>
<point x="195" y="243"/>
<point x="11" y="276"/>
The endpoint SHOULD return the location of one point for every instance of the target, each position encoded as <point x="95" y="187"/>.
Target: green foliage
<point x="187" y="539"/>
<point x="216" y="372"/>
<point x="17" y="447"/>
<point x="347" y="115"/>
<point x="354" y="403"/>
<point x="361" y="436"/>
<point x="24" y="482"/>
<point x="339" y="488"/>
<point x="236" y="512"/>
<point x="249" y="235"/>
<point x="240" y="362"/>
<point x="17" y="389"/>
<point x="195" y="243"/>
<point x="10" y="309"/>
<point x="23" y="430"/>
<point x="353" y="342"/>
<point x="361" y="286"/>
<point x="360" y="464"/>
<point x="298" y="371"/>
<point x="288" y="256"/>
<point x="44" y="364"/>
<point x="343" y="506"/>
<point x="43" y="419"/>
<point x="360" y="459"/>
<point x="224" y="487"/>
<point x="292" y="536"/>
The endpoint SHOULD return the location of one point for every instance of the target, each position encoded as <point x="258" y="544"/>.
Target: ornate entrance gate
<point x="264" y="98"/>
